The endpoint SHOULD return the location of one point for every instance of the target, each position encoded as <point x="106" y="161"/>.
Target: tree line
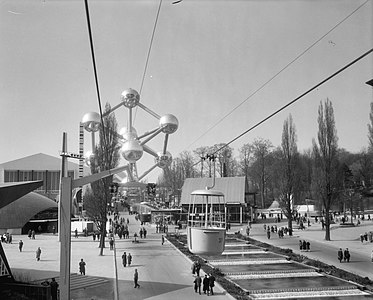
<point x="331" y="178"/>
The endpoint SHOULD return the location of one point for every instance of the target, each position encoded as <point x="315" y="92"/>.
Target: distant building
<point x="236" y="192"/>
<point x="39" y="167"/>
<point x="37" y="208"/>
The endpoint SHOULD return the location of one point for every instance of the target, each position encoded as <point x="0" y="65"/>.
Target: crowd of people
<point x="281" y="231"/>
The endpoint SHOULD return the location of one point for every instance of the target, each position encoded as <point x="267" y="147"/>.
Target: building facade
<point x="38" y="167"/>
<point x="235" y="189"/>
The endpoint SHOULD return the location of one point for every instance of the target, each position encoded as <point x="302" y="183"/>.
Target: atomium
<point x="130" y="98"/>
<point x="134" y="145"/>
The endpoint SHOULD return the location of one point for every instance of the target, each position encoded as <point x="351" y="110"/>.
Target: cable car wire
<point x="274" y="76"/>
<point x="291" y="102"/>
<point x="94" y="69"/>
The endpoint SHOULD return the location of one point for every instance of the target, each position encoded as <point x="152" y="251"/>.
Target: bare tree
<point x="261" y="150"/>
<point x="200" y="154"/>
<point x="326" y="160"/>
<point x="106" y="157"/>
<point x="289" y="157"/>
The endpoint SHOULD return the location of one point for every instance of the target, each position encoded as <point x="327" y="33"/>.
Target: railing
<point x="35" y="292"/>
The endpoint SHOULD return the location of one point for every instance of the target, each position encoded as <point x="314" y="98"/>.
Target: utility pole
<point x="67" y="185"/>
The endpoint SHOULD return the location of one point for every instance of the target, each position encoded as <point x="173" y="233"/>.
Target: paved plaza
<point x="164" y="272"/>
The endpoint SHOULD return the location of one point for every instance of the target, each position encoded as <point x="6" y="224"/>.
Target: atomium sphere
<point x="128" y="135"/>
<point x="168" y="123"/>
<point x="88" y="157"/>
<point x="130" y="98"/>
<point x="91" y="121"/>
<point x="163" y="160"/>
<point x="132" y="151"/>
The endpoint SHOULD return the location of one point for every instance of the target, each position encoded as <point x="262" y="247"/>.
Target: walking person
<point x="346" y="255"/>
<point x="197" y="266"/>
<point x="124" y="259"/>
<point x="54" y="289"/>
<point x="144" y="231"/>
<point x="371" y="256"/>
<point x="136" y="279"/>
<point x="82" y="267"/>
<point x="38" y="253"/>
<point x="162" y="239"/>
<point x="197" y="284"/>
<point x="129" y="259"/>
<point x="20" y="245"/>
<point x="205" y="284"/>
<point x="211" y="283"/>
<point x="340" y="255"/>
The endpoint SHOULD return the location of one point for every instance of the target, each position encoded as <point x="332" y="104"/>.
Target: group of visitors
<point x="31" y="234"/>
<point x="366" y="237"/>
<point x="160" y="227"/>
<point x="6" y="238"/>
<point x="344" y="255"/>
<point x="304" y="245"/>
<point x="207" y="283"/>
<point x="126" y="259"/>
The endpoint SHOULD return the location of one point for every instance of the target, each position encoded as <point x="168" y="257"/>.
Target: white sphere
<point x="130" y="98"/>
<point x="163" y="160"/>
<point x="132" y="151"/>
<point x="168" y="123"/>
<point x="91" y="121"/>
<point x="88" y="156"/>
<point x="128" y="135"/>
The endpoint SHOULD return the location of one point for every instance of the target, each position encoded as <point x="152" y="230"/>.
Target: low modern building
<point x="42" y="167"/>
<point x="240" y="207"/>
<point x="30" y="187"/>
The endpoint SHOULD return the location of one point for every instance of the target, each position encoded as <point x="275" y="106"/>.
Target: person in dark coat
<point x="124" y="259"/>
<point x="211" y="283"/>
<point x="136" y="279"/>
<point x="347" y="255"/>
<point x="38" y="253"/>
<point x="340" y="255"/>
<point x="129" y="259"/>
<point x="197" y="284"/>
<point x="206" y="287"/>
<point x="82" y="267"/>
<point x="20" y="245"/>
<point x="54" y="288"/>
<point x="197" y="267"/>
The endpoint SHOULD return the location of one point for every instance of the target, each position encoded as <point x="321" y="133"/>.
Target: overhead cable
<point x="278" y="73"/>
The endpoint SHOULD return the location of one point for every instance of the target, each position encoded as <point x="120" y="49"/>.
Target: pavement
<point x="164" y="272"/>
<point x="322" y="250"/>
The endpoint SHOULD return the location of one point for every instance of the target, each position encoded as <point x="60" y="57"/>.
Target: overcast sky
<point x="208" y="57"/>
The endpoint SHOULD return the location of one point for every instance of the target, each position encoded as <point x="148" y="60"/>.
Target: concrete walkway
<point x="322" y="250"/>
<point x="164" y="272"/>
